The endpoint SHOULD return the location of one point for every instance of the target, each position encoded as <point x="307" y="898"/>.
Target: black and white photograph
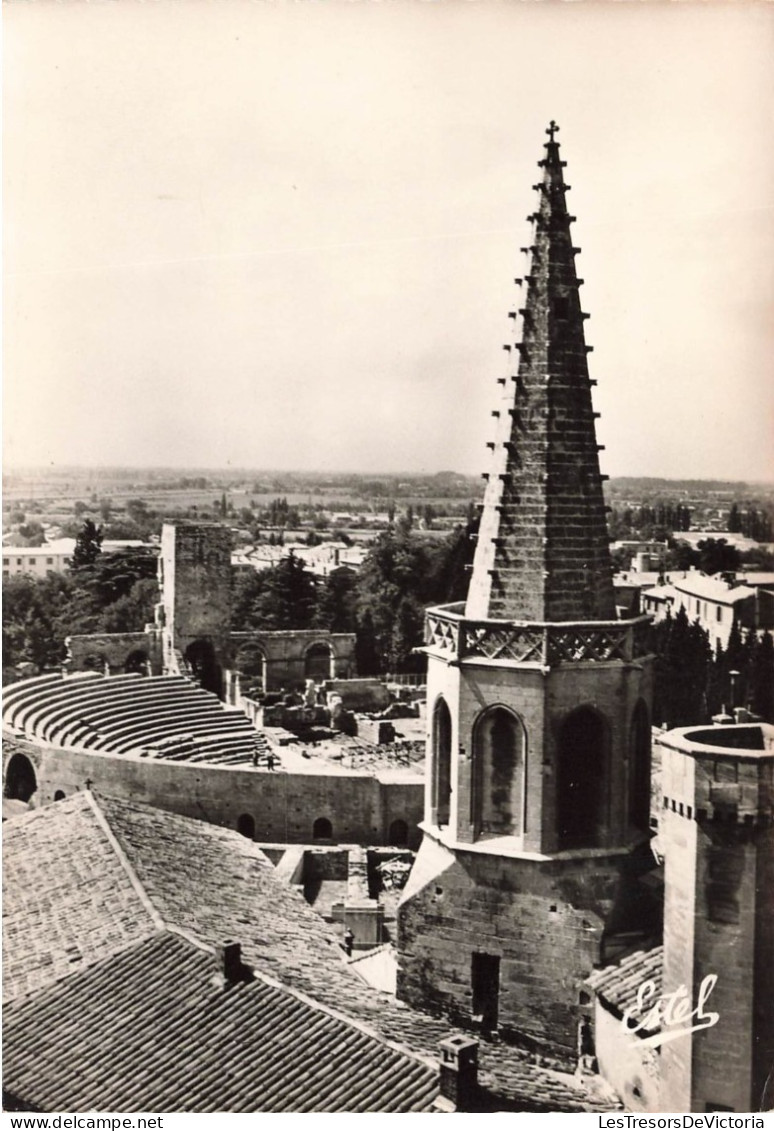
<point x="388" y="561"/>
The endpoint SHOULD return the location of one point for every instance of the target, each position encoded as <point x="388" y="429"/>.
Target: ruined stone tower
<point x="538" y="775"/>
<point x="195" y="582"/>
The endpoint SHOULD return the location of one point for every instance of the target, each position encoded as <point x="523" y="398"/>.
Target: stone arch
<point x="322" y="829"/>
<point x="137" y="661"/>
<point x="582" y="779"/>
<point x="59" y="795"/>
<point x="20" y="779"/>
<point x="251" y="662"/>
<point x="246" y="825"/>
<point x="201" y="658"/>
<point x="398" y="834"/>
<point x="640" y="740"/>
<point x="319" y="661"/>
<point x="499" y="761"/>
<point x="94" y="662"/>
<point x="441" y="747"/>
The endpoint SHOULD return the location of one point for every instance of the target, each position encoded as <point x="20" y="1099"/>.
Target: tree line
<point x="383" y="604"/>
<point x="98" y="593"/>
<point x="693" y="682"/>
<point x="751" y="522"/>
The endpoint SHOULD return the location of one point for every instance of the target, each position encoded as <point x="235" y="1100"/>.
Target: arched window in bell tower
<point x="639" y="768"/>
<point x="441" y="747"/>
<point x="498" y="764"/>
<point x="582" y="777"/>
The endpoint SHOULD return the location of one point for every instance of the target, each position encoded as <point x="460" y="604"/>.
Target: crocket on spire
<point x="542" y="551"/>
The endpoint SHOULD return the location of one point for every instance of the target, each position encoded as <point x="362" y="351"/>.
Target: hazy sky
<point x="285" y="234"/>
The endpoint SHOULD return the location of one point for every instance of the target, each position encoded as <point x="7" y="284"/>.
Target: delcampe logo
<point x="670" y="1014"/>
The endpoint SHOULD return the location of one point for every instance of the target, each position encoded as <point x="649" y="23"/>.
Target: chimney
<point x="230" y="962"/>
<point x="459" y="1071"/>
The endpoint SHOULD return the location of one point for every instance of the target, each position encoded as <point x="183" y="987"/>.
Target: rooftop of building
<point x="60" y="546"/>
<point x="756" y="577"/>
<point x="618" y="985"/>
<point x="714" y="588"/>
<point x="94" y="887"/>
<point x="701" y="586"/>
<point x="254" y="1046"/>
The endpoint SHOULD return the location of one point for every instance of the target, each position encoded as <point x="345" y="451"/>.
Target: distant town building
<point x="739" y="541"/>
<point x="56" y="556"/>
<point x="716" y="603"/>
<point x="320" y="560"/>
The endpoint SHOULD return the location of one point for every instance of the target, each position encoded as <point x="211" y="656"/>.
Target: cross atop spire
<point x="552" y="129"/>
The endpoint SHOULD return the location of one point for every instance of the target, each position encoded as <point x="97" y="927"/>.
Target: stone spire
<point x="542" y="552"/>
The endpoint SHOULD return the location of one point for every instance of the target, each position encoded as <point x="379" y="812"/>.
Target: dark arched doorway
<point x="59" y="795"/>
<point x="20" y="780"/>
<point x="246" y="826"/>
<point x="442" y="744"/>
<point x="136" y="662"/>
<point x="200" y="657"/>
<point x="318" y="663"/>
<point x="398" y="832"/>
<point x="322" y="829"/>
<point x="498" y="786"/>
<point x="582" y="780"/>
<point x="639" y="768"/>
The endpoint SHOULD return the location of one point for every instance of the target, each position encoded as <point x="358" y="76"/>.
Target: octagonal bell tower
<point x="538" y="767"/>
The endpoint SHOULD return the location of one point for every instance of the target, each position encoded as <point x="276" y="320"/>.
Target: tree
<point x="133" y="610"/>
<point x="336" y="608"/>
<point x="716" y="556"/>
<point x="32" y="534"/>
<point x="683" y="659"/>
<point x="762" y="678"/>
<point x="114" y="576"/>
<point x="393" y="586"/>
<point x="246" y="589"/>
<point x="737" y="658"/>
<point x="452" y="562"/>
<point x="88" y="545"/>
<point x="32" y="629"/>
<point x="286" y="598"/>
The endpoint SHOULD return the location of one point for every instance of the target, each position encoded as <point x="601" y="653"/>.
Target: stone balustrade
<point x="450" y="633"/>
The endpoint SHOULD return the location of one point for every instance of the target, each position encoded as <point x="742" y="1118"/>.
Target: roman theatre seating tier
<point x="157" y="716"/>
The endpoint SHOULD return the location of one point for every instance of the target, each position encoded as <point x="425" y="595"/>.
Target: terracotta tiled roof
<point x="214" y="884"/>
<point x="175" y="1038"/>
<point x="618" y="985"/>
<point x="69" y="898"/>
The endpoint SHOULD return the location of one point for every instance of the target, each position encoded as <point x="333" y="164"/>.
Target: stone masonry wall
<point x="284" y="806"/>
<point x="542" y="701"/>
<point x="113" y="648"/>
<point x="285" y="654"/>
<point x="544" y="919"/>
<point x="196" y="581"/>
